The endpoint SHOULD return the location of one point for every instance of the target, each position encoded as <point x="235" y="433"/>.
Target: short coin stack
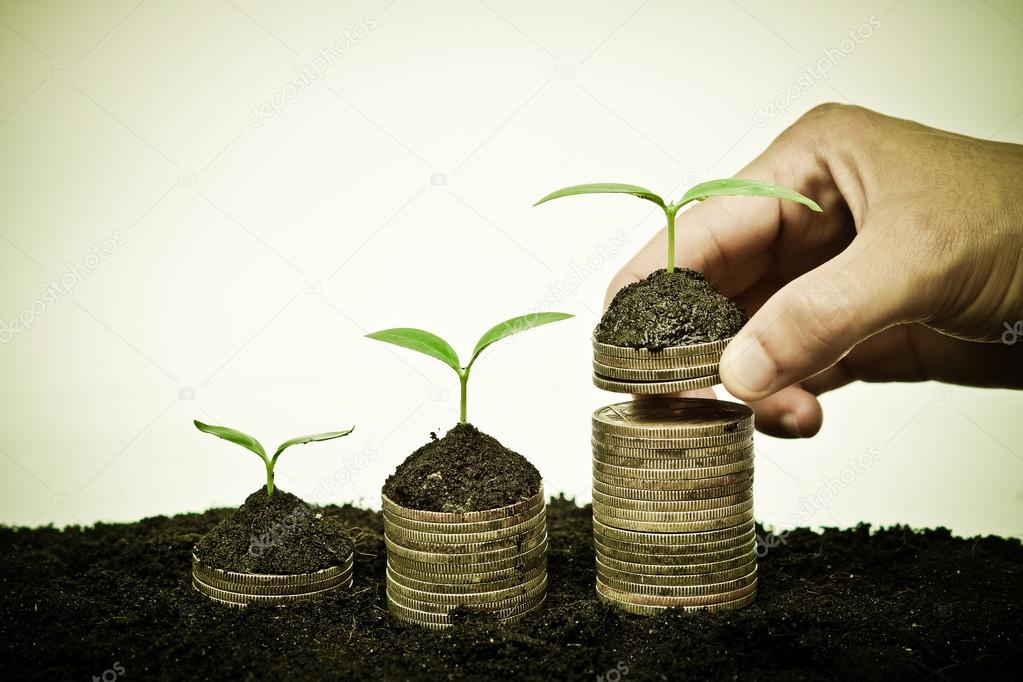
<point x="673" y="505"/>
<point x="242" y="589"/>
<point x="494" y="561"/>
<point x="670" y="370"/>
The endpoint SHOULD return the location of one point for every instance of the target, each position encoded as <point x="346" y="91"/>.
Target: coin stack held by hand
<point x="673" y="505"/>
<point x="242" y="589"/>
<point x="492" y="561"/>
<point x="640" y="371"/>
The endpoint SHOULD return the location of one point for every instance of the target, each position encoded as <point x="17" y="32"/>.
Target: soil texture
<point x="277" y="533"/>
<point x="466" y="470"/>
<point x="893" y="604"/>
<point x="679" y="308"/>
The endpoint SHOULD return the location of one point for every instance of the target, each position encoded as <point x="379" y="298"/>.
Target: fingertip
<point x="746" y="369"/>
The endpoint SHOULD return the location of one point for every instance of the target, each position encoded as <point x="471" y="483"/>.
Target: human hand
<point x="916" y="260"/>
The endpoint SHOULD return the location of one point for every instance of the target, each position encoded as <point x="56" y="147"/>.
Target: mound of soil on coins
<point x="853" y="604"/>
<point x="276" y="533"/>
<point x="679" y="308"/>
<point x="464" y="471"/>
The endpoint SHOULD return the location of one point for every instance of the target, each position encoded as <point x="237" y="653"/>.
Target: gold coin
<point x="470" y="598"/>
<point x="656" y="363"/>
<point x="675" y="554"/>
<point x="744" y="455"/>
<point x="674" y="374"/>
<point x="672" y="495"/>
<point x="248" y="588"/>
<point x="656" y="578"/>
<point x="679" y="454"/>
<point x="669" y="352"/>
<point x="535" y="565"/>
<point x="442" y="584"/>
<point x="674" y="418"/>
<point x="647" y="610"/>
<point x="680" y="560"/>
<point x="515" y="509"/>
<point x="522" y="541"/>
<point x="529" y="597"/>
<point x="633" y="588"/>
<point x="617" y="513"/>
<point x="615" y="440"/>
<point x="654" y="387"/>
<point x="737" y="536"/>
<point x="670" y="505"/>
<point x="744" y="476"/>
<point x="676" y="526"/>
<point x="400" y="532"/>
<point x="241" y="599"/>
<point x="439" y="621"/>
<point x="670" y="474"/>
<point x="735" y="558"/>
<point x="670" y="601"/>
<point x="270" y="579"/>
<point x="523" y="561"/>
<point x="474" y="527"/>
<point x="672" y="537"/>
<point x="445" y="554"/>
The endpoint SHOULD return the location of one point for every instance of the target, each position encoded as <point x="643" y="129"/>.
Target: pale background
<point x="245" y="257"/>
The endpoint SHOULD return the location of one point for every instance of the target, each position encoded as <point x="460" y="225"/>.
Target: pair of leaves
<point x="250" y="443"/>
<point x="436" y="347"/>
<point x="711" y="188"/>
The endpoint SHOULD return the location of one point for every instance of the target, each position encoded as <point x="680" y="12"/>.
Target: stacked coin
<point x="673" y="505"/>
<point x="670" y="370"/>
<point x="242" y="589"/>
<point x="492" y="561"/>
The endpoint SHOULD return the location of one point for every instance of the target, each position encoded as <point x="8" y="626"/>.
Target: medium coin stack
<point x="492" y="561"/>
<point x="242" y="589"/>
<point x="673" y="505"/>
<point x="670" y="370"/>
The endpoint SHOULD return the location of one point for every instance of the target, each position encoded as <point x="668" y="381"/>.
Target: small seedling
<point x="436" y="347"/>
<point x="250" y="443"/>
<point x="711" y="188"/>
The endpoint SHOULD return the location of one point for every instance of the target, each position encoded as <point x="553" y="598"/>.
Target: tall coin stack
<point x="494" y="561"/>
<point x="643" y="372"/>
<point x="673" y="505"/>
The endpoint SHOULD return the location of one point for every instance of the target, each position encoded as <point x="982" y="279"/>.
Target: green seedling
<point x="436" y="347"/>
<point x="250" y="443"/>
<point x="711" y="188"/>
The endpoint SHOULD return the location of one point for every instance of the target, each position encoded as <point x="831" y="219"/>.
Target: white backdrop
<point x="228" y="194"/>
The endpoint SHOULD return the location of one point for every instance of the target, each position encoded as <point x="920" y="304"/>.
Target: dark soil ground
<point x="277" y="533"/>
<point x="466" y="470"/>
<point x="669" y="309"/>
<point x="850" y="604"/>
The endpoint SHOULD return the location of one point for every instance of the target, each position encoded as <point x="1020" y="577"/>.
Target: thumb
<point x="813" y="321"/>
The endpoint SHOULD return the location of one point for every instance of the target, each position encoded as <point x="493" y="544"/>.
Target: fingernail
<point x="751" y="368"/>
<point x="791" y="425"/>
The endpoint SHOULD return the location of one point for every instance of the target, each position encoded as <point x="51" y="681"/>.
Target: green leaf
<point x="315" y="438"/>
<point x="514" y="326"/>
<point x="421" y="341"/>
<point x="742" y="187"/>
<point x="236" y="437"/>
<point x="604" y="188"/>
